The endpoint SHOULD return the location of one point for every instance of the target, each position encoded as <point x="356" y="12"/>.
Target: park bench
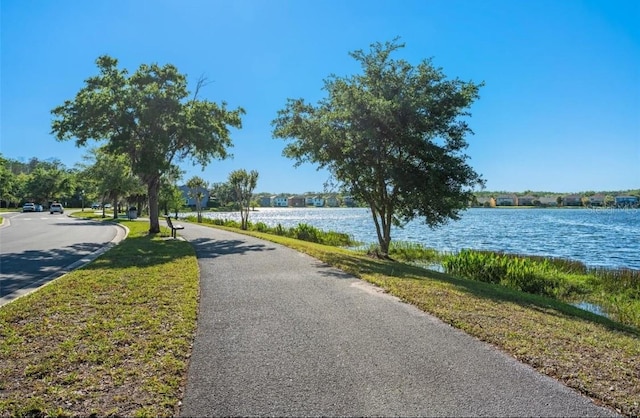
<point x="173" y="227"/>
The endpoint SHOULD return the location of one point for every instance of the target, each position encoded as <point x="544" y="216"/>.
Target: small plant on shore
<point x="306" y="232"/>
<point x="261" y="227"/>
<point x="408" y="251"/>
<point x="279" y="230"/>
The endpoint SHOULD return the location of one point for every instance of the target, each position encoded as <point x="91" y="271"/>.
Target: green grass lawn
<point x="115" y="337"/>
<point x="112" y="338"/>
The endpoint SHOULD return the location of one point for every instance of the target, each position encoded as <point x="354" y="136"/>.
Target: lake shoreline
<point x="599" y="238"/>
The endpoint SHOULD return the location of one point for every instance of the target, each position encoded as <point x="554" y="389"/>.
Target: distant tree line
<point x="104" y="178"/>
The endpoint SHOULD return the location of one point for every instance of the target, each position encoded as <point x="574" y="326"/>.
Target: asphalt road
<point x="282" y="334"/>
<point x="38" y="247"/>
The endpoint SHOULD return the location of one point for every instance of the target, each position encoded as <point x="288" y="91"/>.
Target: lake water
<point x="597" y="237"/>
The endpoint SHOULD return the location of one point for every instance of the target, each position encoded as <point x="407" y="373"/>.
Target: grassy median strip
<point x="112" y="338"/>
<point x="587" y="352"/>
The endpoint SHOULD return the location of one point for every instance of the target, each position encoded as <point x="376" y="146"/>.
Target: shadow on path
<point x="211" y="248"/>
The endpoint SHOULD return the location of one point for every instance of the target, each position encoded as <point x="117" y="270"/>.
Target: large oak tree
<point x="394" y="136"/>
<point x="148" y="117"/>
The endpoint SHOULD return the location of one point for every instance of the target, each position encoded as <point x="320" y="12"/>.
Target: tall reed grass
<point x="617" y="291"/>
<point x="520" y="273"/>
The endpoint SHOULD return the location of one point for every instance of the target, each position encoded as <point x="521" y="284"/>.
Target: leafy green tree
<point x="7" y="182"/>
<point x="148" y="117"/>
<point x="113" y="177"/>
<point x="197" y="189"/>
<point x="609" y="200"/>
<point x="47" y="182"/>
<point x="243" y="183"/>
<point x="394" y="136"/>
<point x="224" y="193"/>
<point x="171" y="198"/>
<point x="20" y="187"/>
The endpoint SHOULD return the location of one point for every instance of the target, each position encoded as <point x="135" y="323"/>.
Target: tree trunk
<point x="153" y="190"/>
<point x="115" y="207"/>
<point x="244" y="215"/>
<point x="382" y="231"/>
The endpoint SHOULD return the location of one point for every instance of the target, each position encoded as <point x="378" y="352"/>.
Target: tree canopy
<point x="148" y="117"/>
<point x="393" y="136"/>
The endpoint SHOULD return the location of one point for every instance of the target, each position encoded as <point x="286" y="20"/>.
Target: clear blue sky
<point x="560" y="110"/>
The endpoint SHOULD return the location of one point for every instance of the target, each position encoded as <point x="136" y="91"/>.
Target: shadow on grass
<point x="359" y="265"/>
<point x="142" y="251"/>
<point x="327" y="270"/>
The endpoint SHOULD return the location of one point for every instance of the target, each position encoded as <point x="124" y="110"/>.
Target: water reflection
<point x="590" y="307"/>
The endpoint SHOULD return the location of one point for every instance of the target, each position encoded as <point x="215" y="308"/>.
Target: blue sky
<point x="560" y="110"/>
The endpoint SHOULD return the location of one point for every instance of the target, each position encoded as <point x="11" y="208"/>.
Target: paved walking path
<point x="282" y="334"/>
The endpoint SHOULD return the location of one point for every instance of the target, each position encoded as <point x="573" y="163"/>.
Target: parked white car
<point x="29" y="207"/>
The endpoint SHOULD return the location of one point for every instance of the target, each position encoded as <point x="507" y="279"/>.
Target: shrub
<point x="231" y="223"/>
<point x="412" y="251"/>
<point x="306" y="232"/>
<point x="482" y="266"/>
<point x="337" y="239"/>
<point x="531" y="276"/>
<point x="261" y="227"/>
<point x="279" y="230"/>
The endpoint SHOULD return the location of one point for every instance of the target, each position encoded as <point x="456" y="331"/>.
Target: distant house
<point x="349" y="201"/>
<point x="296" y="202"/>
<point x="572" y="200"/>
<point x="280" y="201"/>
<point x="507" y="200"/>
<point x="596" y="200"/>
<point x="332" y="202"/>
<point x="190" y="201"/>
<point x="548" y="201"/>
<point x="526" y="200"/>
<point x="626" y="201"/>
<point x="318" y="201"/>
<point x="265" y="201"/>
<point x="308" y="200"/>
